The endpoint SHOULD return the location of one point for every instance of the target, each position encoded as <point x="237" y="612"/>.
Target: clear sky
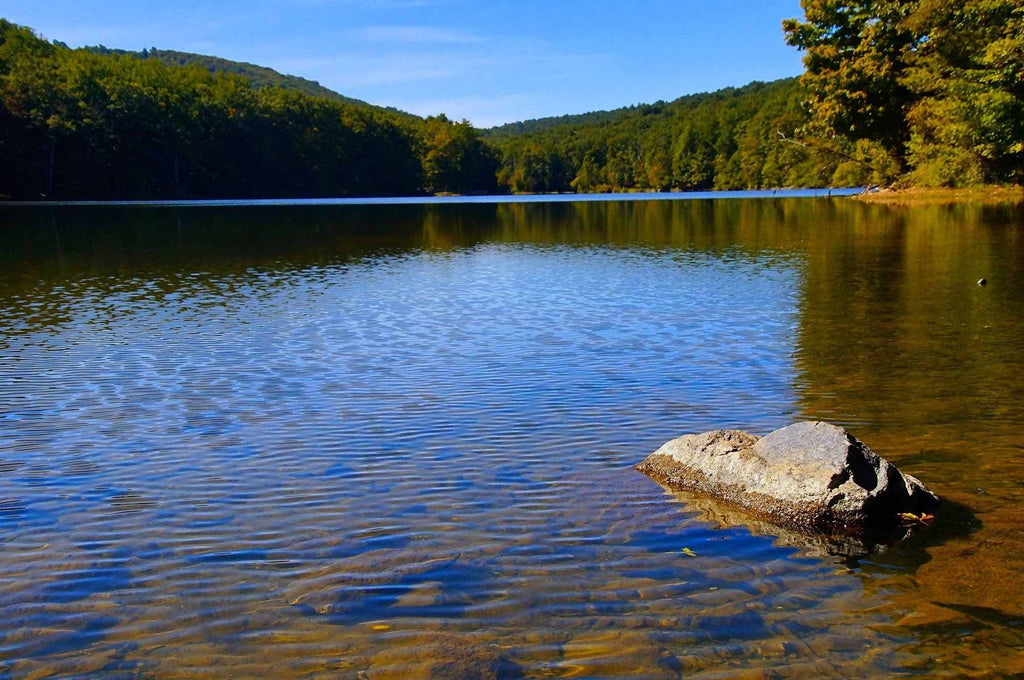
<point x="489" y="62"/>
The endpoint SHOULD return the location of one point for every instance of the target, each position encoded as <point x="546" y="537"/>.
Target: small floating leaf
<point x="911" y="518"/>
<point x="688" y="552"/>
<point x="382" y="626"/>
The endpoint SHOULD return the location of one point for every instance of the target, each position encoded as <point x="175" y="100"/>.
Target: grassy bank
<point x="922" y="196"/>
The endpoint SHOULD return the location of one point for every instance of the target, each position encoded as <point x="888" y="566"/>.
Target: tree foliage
<point x="855" y="67"/>
<point x="76" y="124"/>
<point x="925" y="90"/>
<point x="937" y="84"/>
<point x="259" y="76"/>
<point x="455" y="160"/>
<point x="967" y="123"/>
<point x="729" y="139"/>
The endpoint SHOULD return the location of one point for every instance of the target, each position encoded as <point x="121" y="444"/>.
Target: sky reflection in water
<point x="399" y="439"/>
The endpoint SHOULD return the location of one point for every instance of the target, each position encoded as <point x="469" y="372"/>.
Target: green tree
<point x="105" y="124"/>
<point x="454" y="158"/>
<point x="35" y="90"/>
<point x="933" y="86"/>
<point x="967" y="124"/>
<point x="855" y="56"/>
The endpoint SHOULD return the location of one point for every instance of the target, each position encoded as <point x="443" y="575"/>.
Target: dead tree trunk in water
<point x="178" y="193"/>
<point x="48" y="162"/>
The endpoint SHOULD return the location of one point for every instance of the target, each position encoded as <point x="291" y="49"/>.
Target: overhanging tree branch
<point x="835" y="152"/>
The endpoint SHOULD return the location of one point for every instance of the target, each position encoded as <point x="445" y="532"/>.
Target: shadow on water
<point x="984" y="617"/>
<point x="904" y="548"/>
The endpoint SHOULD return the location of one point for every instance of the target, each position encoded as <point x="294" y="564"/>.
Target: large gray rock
<point x="811" y="475"/>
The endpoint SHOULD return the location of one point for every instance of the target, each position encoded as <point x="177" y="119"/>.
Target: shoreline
<point x="451" y="199"/>
<point x="915" y="196"/>
<point x="911" y="196"/>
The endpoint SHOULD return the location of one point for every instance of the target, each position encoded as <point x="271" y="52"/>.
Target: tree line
<point x="923" y="92"/>
<point x="729" y="139"/>
<point x="919" y="92"/>
<point x="75" y="124"/>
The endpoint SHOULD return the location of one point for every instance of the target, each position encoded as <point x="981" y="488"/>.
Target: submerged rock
<point x="811" y="475"/>
<point x="441" y="655"/>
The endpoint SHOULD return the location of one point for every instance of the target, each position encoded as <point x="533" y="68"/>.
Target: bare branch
<point x="819" y="148"/>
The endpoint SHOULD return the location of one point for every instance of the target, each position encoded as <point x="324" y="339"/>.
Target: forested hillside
<point x="260" y="76"/>
<point x="79" y="125"/>
<point x="542" y="124"/>
<point x="921" y="92"/>
<point x="731" y="139"/>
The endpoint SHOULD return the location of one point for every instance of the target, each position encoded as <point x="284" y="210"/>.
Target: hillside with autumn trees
<point x="914" y="92"/>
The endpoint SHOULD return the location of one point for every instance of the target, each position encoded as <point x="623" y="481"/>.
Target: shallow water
<point x="397" y="441"/>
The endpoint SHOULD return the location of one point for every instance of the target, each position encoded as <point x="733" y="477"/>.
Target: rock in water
<point x="811" y="475"/>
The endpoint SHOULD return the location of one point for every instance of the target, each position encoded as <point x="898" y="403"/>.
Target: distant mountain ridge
<point x="603" y="117"/>
<point x="259" y="76"/>
<point x="541" y="124"/>
<point x="102" y="124"/>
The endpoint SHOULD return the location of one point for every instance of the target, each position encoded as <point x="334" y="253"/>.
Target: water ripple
<point x="406" y="456"/>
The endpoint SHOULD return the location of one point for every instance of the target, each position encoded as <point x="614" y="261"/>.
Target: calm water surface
<point x="397" y="441"/>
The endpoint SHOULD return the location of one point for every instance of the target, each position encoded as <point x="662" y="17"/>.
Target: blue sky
<point x="491" y="62"/>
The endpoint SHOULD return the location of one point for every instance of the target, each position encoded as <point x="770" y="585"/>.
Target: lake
<point x="396" y="441"/>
